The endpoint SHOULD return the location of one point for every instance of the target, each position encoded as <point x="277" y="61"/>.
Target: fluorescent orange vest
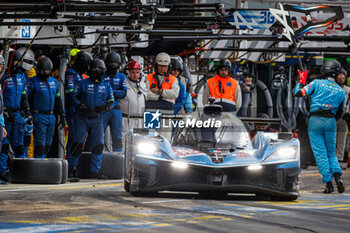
<point x="226" y="91"/>
<point x="166" y="84"/>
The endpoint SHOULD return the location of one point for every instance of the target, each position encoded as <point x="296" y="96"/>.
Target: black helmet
<point x="15" y="56"/>
<point x="44" y="68"/>
<point x="113" y="57"/>
<point x="113" y="62"/>
<point x="82" y="62"/>
<point x="343" y="71"/>
<point x="98" y="63"/>
<point x="330" y="68"/>
<point x="176" y="64"/>
<point x="97" y="68"/>
<point x="225" y="63"/>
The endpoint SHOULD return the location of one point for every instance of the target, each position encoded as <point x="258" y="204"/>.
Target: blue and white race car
<point x="217" y="159"/>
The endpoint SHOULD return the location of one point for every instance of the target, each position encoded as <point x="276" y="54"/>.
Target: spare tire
<point x="111" y="166"/>
<point x="64" y="171"/>
<point x="38" y="171"/>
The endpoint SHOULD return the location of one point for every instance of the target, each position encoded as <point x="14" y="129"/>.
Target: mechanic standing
<point x="92" y="97"/>
<point x="162" y="89"/>
<point x="3" y="169"/>
<point x="183" y="103"/>
<point x="225" y="89"/>
<point x="134" y="102"/>
<point x="45" y="100"/>
<point x="73" y="76"/>
<point x="113" y="117"/>
<point x="15" y="101"/>
<point x="342" y="128"/>
<point x="327" y="104"/>
<point x="29" y="72"/>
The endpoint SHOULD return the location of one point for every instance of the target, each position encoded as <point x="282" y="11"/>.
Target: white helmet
<point x="163" y="59"/>
<point x="28" y="58"/>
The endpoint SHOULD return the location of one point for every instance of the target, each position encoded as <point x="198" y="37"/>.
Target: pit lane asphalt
<point x="104" y="206"/>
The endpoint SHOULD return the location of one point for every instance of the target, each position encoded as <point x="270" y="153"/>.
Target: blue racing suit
<point x="27" y="128"/>
<point x="14" y="94"/>
<point x="42" y="96"/>
<point x="90" y="95"/>
<point x="188" y="102"/>
<point x="181" y="99"/>
<point x="327" y="104"/>
<point x="114" y="116"/>
<point x="2" y="124"/>
<point x="71" y="80"/>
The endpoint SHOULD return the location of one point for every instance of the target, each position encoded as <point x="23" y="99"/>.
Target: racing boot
<point x="329" y="187"/>
<point x="72" y="174"/>
<point x="4" y="177"/>
<point x="97" y="175"/>
<point x="339" y="182"/>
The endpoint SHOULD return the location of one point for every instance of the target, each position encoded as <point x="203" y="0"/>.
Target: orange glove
<point x="302" y="76"/>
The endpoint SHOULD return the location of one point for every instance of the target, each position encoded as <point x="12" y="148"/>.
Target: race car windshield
<point x="230" y="137"/>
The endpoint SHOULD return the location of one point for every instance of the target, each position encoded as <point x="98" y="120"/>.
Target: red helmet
<point x="133" y="65"/>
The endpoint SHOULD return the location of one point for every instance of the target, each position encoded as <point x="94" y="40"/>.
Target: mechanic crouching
<point x="327" y="104"/>
<point x="45" y="100"/>
<point x="114" y="117"/>
<point x="92" y="97"/>
<point x="225" y="89"/>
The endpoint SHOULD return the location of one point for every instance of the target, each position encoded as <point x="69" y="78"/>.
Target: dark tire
<point x="112" y="165"/>
<point x="64" y="171"/>
<point x="36" y="171"/>
<point x="126" y="186"/>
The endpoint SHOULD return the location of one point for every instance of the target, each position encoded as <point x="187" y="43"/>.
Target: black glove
<point x="62" y="121"/>
<point x="9" y="115"/>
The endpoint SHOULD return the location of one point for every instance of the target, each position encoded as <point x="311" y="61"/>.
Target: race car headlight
<point x="147" y="149"/>
<point x="286" y="153"/>
<point x="180" y="165"/>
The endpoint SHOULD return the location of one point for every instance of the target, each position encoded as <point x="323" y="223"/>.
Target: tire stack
<point x="38" y="171"/>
